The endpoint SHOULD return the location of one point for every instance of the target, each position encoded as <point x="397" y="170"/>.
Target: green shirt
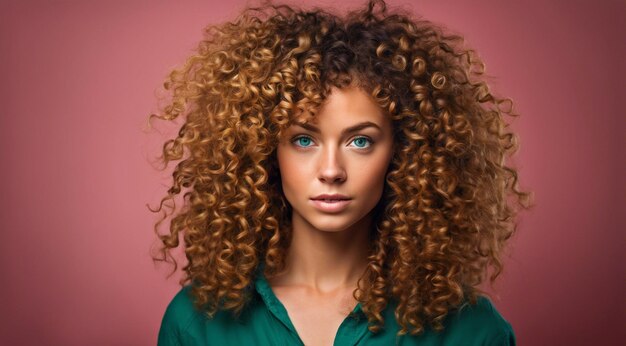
<point x="265" y="322"/>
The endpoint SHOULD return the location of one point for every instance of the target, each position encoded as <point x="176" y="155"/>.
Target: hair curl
<point x="445" y="215"/>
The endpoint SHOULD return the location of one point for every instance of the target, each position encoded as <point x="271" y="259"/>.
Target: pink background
<point x="78" y="80"/>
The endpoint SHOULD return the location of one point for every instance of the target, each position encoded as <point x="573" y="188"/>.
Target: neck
<point x="326" y="261"/>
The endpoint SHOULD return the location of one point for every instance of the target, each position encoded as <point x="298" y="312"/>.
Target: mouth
<point x="330" y="205"/>
<point x="331" y="197"/>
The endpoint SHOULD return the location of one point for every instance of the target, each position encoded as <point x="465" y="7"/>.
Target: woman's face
<point x="346" y="151"/>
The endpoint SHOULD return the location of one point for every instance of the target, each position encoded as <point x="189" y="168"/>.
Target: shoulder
<point x="179" y="315"/>
<point x="478" y="324"/>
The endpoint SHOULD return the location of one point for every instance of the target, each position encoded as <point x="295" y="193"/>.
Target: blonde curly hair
<point x="445" y="214"/>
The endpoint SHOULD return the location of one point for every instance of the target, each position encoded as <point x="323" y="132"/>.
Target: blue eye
<point x="303" y="140"/>
<point x="361" y="141"/>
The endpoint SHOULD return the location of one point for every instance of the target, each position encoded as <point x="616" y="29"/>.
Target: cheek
<point x="285" y="166"/>
<point x="378" y="170"/>
<point x="290" y="174"/>
<point x="376" y="182"/>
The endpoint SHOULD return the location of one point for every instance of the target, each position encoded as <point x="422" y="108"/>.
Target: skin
<point x="328" y="251"/>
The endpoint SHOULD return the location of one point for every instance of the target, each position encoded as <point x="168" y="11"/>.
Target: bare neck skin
<point x="324" y="262"/>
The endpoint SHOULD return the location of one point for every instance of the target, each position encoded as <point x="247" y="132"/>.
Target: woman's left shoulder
<point x="478" y="324"/>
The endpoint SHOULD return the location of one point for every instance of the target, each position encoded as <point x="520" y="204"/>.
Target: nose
<point x="331" y="168"/>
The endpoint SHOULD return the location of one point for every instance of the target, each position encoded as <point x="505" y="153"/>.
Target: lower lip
<point x="330" y="207"/>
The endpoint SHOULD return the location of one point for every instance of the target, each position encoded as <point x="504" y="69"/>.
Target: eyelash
<point x="371" y="142"/>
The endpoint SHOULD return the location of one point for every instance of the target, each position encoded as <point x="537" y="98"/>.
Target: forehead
<point x="345" y="107"/>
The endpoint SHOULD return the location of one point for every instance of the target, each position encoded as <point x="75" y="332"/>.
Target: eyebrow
<point x="350" y="129"/>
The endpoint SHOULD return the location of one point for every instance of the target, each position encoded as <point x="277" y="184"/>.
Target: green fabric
<point x="265" y="322"/>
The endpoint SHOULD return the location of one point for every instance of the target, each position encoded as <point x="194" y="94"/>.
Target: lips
<point x="331" y="203"/>
<point x="331" y="197"/>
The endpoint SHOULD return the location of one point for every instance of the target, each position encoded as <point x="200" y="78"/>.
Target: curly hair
<point x="445" y="214"/>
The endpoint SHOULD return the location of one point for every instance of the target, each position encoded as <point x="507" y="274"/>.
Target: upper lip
<point x="333" y="196"/>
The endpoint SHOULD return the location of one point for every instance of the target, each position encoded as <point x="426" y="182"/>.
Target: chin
<point x="333" y="226"/>
<point x="331" y="229"/>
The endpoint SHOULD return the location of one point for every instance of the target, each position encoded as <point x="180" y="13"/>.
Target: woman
<point x="344" y="184"/>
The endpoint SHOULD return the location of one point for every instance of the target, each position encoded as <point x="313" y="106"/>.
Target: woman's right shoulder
<point x="179" y="315"/>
